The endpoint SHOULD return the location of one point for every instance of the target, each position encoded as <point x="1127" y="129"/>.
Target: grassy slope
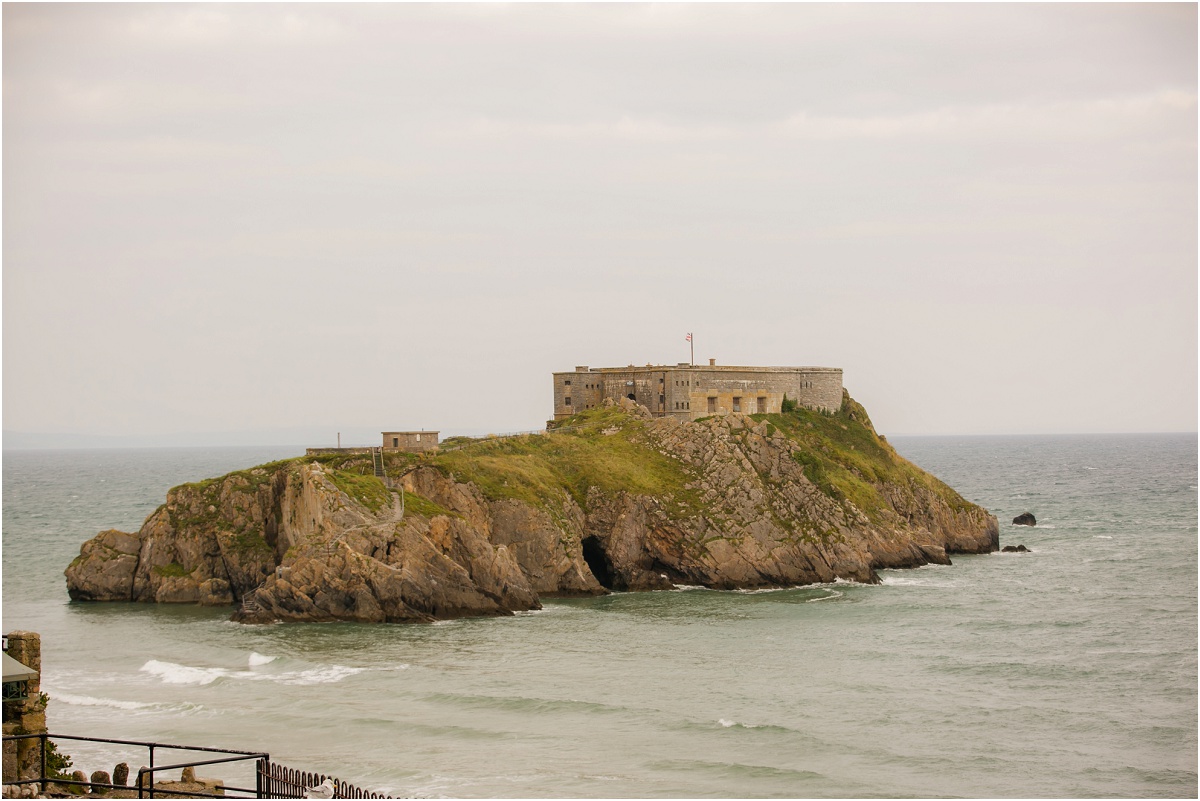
<point x="604" y="448"/>
<point x="842" y="454"/>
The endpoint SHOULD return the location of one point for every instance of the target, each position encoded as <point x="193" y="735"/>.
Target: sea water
<point x="1067" y="671"/>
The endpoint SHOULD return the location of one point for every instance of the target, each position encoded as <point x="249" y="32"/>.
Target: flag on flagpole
<point x="689" y="337"/>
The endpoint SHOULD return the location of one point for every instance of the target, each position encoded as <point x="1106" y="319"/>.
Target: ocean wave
<point x="257" y="659"/>
<point x="736" y="770"/>
<point x="88" y="700"/>
<point x="525" y="704"/>
<point x="173" y="673"/>
<point x="765" y="727"/>
<point x="129" y="706"/>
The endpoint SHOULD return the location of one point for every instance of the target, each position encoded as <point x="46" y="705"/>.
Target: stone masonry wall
<point x="689" y="392"/>
<point x="21" y="757"/>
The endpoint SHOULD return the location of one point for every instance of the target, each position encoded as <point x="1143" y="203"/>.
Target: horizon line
<point x="123" y="442"/>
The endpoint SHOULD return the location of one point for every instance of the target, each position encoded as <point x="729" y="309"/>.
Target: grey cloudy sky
<point x="320" y="218"/>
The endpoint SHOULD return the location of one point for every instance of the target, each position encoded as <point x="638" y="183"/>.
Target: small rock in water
<point x="1026" y="519"/>
<point x="1014" y="549"/>
<point x="121" y="774"/>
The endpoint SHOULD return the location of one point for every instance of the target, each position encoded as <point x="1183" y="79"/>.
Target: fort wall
<point x="688" y="392"/>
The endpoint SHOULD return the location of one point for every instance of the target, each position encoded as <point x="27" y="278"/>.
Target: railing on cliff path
<point x="271" y="779"/>
<point x="283" y="782"/>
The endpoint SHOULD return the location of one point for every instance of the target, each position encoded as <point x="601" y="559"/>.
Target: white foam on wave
<point x="1101" y="537"/>
<point x="688" y="587"/>
<point x="900" y="581"/>
<point x="257" y="659"/>
<point x="322" y="675"/>
<point x="88" y="700"/>
<point x="832" y="594"/>
<point x="729" y="724"/>
<point x="172" y="673"/>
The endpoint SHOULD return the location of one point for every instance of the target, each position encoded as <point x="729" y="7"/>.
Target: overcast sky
<point x="221" y="219"/>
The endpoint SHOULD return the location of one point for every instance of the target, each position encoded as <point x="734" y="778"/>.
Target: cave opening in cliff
<point x="597" y="561"/>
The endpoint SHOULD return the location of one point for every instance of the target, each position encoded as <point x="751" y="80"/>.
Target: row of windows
<point x="686" y="383"/>
<point x="760" y="404"/>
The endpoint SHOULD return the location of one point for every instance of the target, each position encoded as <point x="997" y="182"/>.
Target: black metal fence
<point x="280" y="781"/>
<point x="271" y="780"/>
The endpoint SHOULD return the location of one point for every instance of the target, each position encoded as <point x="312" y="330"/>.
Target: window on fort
<point x="737" y="404"/>
<point x="567" y="382"/>
<point x="662" y="400"/>
<point x="712" y="404"/>
<point x="567" y="400"/>
<point x="395" y="442"/>
<point x="418" y="437"/>
<point x="762" y="405"/>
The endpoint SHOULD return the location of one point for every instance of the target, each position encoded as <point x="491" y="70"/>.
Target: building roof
<point x="15" y="671"/>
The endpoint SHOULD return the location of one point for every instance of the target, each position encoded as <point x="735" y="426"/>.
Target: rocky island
<point x="610" y="498"/>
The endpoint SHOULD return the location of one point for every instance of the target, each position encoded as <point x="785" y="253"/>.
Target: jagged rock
<point x="214" y="592"/>
<point x="746" y="506"/>
<point x="120" y="774"/>
<point x="1025" y="519"/>
<point x="1014" y="549"/>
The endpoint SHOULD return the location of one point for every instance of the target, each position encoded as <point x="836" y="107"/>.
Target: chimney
<point x="712" y="362"/>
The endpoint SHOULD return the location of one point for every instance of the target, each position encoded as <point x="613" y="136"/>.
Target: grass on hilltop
<point x="604" y="448"/>
<point x="846" y="459"/>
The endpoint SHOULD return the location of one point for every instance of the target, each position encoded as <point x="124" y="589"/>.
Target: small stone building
<point x="410" y="441"/>
<point x="687" y="392"/>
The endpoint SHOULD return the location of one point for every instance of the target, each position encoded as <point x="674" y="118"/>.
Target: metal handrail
<point x="146" y="788"/>
<point x="271" y="779"/>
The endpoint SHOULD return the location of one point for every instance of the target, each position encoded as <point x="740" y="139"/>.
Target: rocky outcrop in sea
<point x="616" y="500"/>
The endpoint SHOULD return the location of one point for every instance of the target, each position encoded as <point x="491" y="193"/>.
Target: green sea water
<point x="1067" y="671"/>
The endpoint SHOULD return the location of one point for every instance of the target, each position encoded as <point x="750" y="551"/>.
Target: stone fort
<point x="690" y="391"/>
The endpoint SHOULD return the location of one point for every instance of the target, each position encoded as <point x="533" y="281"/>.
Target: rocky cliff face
<point x="615" y="501"/>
